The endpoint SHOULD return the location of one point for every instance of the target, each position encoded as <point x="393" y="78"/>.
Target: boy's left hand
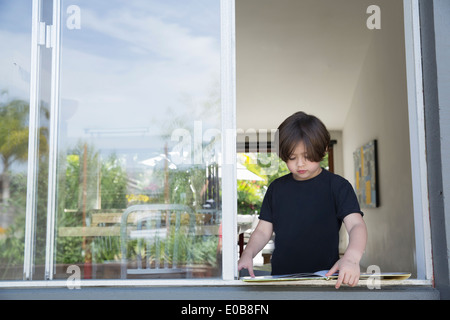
<point x="348" y="272"/>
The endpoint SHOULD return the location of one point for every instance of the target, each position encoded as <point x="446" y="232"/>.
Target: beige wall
<point x="379" y="111"/>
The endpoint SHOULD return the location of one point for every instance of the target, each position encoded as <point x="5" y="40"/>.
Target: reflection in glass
<point x="138" y="176"/>
<point x="15" y="31"/>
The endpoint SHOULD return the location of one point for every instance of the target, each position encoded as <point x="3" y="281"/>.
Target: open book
<point x="320" y="275"/>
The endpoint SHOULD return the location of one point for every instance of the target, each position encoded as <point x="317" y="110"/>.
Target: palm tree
<point x="14" y="138"/>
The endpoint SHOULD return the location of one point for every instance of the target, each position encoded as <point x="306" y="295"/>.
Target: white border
<point x="417" y="139"/>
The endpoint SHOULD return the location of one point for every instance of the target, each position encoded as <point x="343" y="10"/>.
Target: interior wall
<point x="379" y="111"/>
<point x="298" y="55"/>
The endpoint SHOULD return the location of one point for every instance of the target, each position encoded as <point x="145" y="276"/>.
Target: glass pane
<point x="15" y="36"/>
<point x="139" y="140"/>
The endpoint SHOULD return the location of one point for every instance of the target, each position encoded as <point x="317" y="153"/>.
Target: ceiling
<point x="294" y="55"/>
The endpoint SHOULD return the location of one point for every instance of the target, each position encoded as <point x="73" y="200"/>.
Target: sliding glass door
<point x="25" y="91"/>
<point x="136" y="176"/>
<point x="122" y="120"/>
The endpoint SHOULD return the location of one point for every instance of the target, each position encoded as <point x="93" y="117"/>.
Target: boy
<point x="305" y="209"/>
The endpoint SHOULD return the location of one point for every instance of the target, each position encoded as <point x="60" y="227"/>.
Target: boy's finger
<point x="355" y="281"/>
<point x="339" y="281"/>
<point x="346" y="279"/>
<point x="350" y="280"/>
<point x="332" y="270"/>
<point x="250" y="271"/>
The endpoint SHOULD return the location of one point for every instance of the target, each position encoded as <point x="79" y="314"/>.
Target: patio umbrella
<point x="242" y="173"/>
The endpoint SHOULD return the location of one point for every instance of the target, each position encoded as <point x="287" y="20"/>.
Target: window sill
<point x="202" y="283"/>
<point x="214" y="290"/>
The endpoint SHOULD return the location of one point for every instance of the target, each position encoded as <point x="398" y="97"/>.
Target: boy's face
<point x="300" y="166"/>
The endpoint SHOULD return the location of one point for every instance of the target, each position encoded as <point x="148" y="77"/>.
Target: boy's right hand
<point x="246" y="262"/>
<point x="256" y="243"/>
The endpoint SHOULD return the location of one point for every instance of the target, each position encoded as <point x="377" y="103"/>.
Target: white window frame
<point x="33" y="144"/>
<point x="228" y="99"/>
<point x="416" y="111"/>
<point x="229" y="193"/>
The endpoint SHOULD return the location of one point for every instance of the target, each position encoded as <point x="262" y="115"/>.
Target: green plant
<point x="251" y="193"/>
<point x="180" y="247"/>
<point x="268" y="166"/>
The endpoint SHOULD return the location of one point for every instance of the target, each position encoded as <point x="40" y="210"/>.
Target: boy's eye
<point x="292" y="158"/>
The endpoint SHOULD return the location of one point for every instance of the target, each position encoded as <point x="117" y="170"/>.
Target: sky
<point x="128" y="68"/>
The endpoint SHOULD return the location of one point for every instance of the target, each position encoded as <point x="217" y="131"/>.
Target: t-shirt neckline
<point x="304" y="181"/>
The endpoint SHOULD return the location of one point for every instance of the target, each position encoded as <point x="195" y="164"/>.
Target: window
<point x="125" y="128"/>
<point x="328" y="59"/>
<point x="130" y="169"/>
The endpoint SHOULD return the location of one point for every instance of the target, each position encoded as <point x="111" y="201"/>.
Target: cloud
<point x="151" y="34"/>
<point x="15" y="64"/>
<point x="130" y="65"/>
<point x="128" y="68"/>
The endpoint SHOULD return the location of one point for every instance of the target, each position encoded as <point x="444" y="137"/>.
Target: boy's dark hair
<point x="301" y="127"/>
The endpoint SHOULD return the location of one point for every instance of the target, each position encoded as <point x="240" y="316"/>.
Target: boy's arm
<point x="348" y="265"/>
<point x="257" y="241"/>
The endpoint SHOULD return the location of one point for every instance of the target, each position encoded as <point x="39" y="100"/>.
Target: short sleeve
<point x="266" y="212"/>
<point x="345" y="199"/>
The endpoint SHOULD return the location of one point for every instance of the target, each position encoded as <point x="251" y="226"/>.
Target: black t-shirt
<point x="306" y="218"/>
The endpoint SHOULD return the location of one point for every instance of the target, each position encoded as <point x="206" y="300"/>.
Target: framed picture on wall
<point x="366" y="179"/>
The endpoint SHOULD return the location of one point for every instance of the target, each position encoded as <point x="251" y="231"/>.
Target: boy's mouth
<point x="301" y="171"/>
